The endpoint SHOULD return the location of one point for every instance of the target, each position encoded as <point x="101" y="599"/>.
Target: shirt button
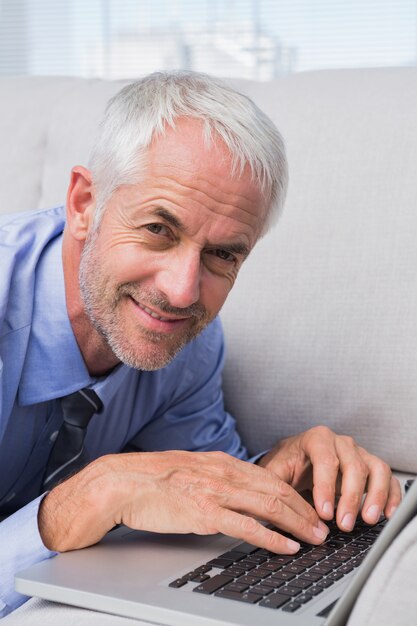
<point x="53" y="436"/>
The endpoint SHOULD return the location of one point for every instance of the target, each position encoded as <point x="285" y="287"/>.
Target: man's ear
<point x="80" y="202"/>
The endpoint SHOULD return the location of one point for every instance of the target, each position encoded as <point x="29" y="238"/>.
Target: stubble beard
<point x="103" y="303"/>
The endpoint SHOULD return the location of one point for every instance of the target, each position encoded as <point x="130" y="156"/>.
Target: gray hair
<point x="144" y="108"/>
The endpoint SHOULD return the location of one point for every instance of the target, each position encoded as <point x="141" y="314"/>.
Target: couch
<point x="321" y="327"/>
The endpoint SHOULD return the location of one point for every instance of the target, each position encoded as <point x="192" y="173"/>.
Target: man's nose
<point x="180" y="279"/>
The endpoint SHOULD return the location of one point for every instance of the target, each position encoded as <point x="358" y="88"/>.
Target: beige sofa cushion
<point x="322" y="324"/>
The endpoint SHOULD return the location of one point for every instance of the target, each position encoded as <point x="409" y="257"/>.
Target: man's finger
<point x="355" y="471"/>
<point x="272" y="508"/>
<point x="326" y="465"/>
<point x="250" y="530"/>
<point x="384" y="491"/>
<point x="394" y="498"/>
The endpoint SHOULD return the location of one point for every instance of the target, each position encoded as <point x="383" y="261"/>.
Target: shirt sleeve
<point x="192" y="416"/>
<point x="20" y="546"/>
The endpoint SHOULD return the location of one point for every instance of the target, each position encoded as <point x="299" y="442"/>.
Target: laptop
<point x="191" y="580"/>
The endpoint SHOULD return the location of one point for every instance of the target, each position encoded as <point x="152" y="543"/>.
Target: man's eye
<point x="223" y="255"/>
<point x="157" y="229"/>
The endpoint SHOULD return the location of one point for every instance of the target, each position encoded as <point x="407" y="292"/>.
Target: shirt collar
<point x="54" y="366"/>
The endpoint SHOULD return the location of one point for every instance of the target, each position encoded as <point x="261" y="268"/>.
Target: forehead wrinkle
<point x="209" y="200"/>
<point x="191" y="179"/>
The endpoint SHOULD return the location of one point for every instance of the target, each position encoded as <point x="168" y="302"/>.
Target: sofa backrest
<point x="321" y="325"/>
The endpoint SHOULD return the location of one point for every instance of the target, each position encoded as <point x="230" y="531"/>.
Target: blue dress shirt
<point x="177" y="407"/>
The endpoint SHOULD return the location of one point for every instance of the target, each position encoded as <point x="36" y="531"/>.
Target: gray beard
<point x="101" y="307"/>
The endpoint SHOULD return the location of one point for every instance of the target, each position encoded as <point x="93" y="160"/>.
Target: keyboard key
<point x="340" y="557"/>
<point x="203" y="569"/>
<point x="274" y="601"/>
<point x="304" y="547"/>
<point x="245" y="548"/>
<point x="248" y="565"/>
<point x="273" y="582"/>
<point x="335" y="576"/>
<point x="359" y="544"/>
<point x="250" y="580"/>
<point x="232" y="555"/>
<point x="332" y="543"/>
<point x="305" y="561"/>
<point x="305" y="597"/>
<point x="322" y="569"/>
<point x="323" y="549"/>
<point x="283" y="560"/>
<point x="360" y="523"/>
<point x="213" y="584"/>
<point x="234" y="571"/>
<point x="333" y="563"/>
<point x="310" y="576"/>
<point x="272" y="567"/>
<point x="317" y="556"/>
<point x="250" y="598"/>
<point x="288" y="590"/>
<point x="261" y="572"/>
<point x="222" y="563"/>
<point x="261" y="589"/>
<point x="291" y="607"/>
<point x="267" y="553"/>
<point x="345" y="537"/>
<point x="180" y="582"/>
<point x="281" y="575"/>
<point x="301" y="584"/>
<point x="200" y="578"/>
<point x="349" y="551"/>
<point x="324" y="583"/>
<point x="239" y="587"/>
<point x="367" y="539"/>
<point x="255" y="558"/>
<point x="295" y="569"/>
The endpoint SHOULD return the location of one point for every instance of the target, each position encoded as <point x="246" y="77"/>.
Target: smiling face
<point x="168" y="249"/>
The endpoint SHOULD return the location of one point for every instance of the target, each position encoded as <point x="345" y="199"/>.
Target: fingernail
<point x="392" y="511"/>
<point x="320" y="533"/>
<point x="348" y="521"/>
<point x="373" y="513"/>
<point x="293" y="545"/>
<point x="328" y="509"/>
<point x="323" y="526"/>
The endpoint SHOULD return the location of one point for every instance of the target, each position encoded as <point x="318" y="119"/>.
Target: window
<point x="256" y="39"/>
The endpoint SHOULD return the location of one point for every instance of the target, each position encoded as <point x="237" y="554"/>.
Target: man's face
<point x="168" y="249"/>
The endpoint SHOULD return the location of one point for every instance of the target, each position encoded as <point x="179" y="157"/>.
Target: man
<point x="112" y="311"/>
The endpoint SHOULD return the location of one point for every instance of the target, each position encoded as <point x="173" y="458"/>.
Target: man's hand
<point x="177" y="492"/>
<point x="327" y="463"/>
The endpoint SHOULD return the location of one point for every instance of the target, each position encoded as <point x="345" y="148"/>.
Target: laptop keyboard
<point x="256" y="576"/>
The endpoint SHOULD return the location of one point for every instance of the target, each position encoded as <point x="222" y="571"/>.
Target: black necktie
<point x="67" y="455"/>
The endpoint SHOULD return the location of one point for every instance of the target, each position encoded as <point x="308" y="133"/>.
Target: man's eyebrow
<point x="234" y="248"/>
<point x="169" y="218"/>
